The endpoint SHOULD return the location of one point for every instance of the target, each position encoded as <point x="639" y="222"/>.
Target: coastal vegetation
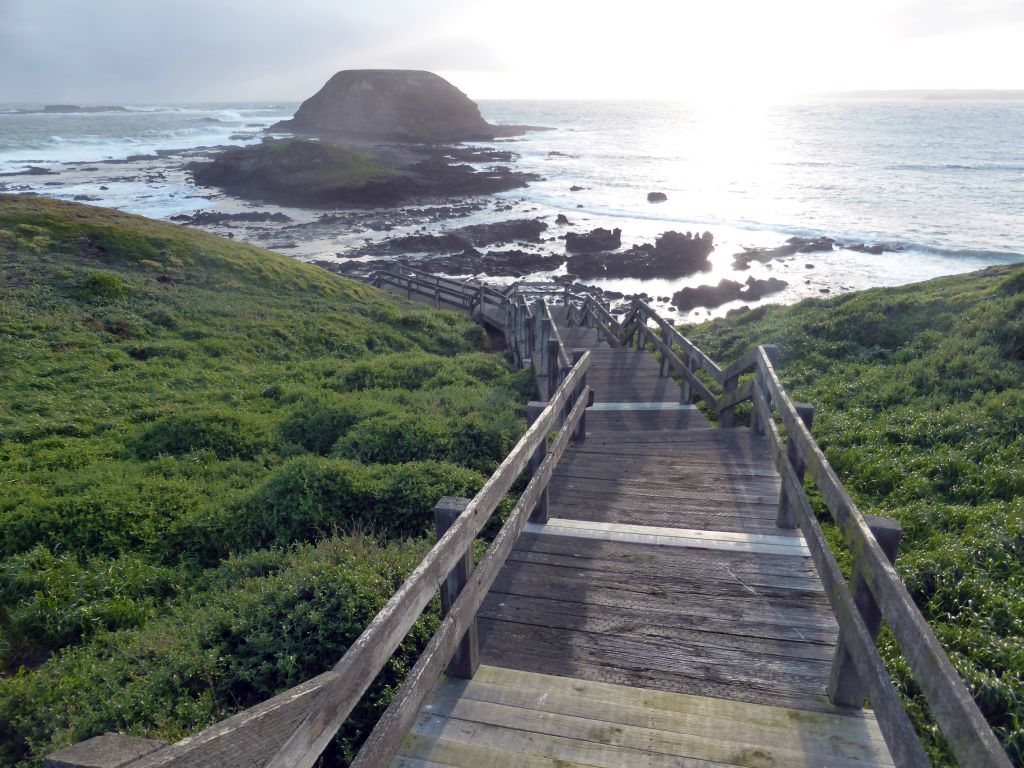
<point x="919" y="393"/>
<point x="217" y="465"/>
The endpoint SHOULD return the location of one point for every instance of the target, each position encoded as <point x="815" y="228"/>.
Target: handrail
<point x="959" y="719"/>
<point x="563" y="354"/>
<point x="961" y="722"/>
<point x="370" y="652"/>
<point x="314" y="711"/>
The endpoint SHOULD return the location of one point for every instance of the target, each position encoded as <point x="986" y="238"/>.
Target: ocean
<point x="941" y="183"/>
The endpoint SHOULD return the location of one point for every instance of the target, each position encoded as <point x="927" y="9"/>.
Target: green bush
<point x="397" y="438"/>
<point x="320" y="418"/>
<point x="56" y="599"/>
<point x="102" y="286"/>
<point x="310" y="497"/>
<point x="224" y="433"/>
<point x="266" y="624"/>
<point x="153" y="431"/>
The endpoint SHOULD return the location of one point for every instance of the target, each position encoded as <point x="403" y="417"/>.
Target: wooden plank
<point x="680" y="572"/>
<point x="671" y="537"/>
<point x="386" y="736"/>
<point x="743" y="676"/>
<point x="700" y="736"/>
<point x="961" y="722"/>
<point x="668" y="561"/>
<point x="852" y="723"/>
<point x="638" y="628"/>
<point x="502" y="606"/>
<point x="655" y="406"/>
<point x="657" y="597"/>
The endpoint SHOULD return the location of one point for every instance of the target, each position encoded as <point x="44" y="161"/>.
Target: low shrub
<point x="310" y="497"/>
<point x="224" y="433"/>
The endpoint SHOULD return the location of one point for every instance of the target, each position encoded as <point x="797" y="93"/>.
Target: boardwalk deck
<point x="660" y="617"/>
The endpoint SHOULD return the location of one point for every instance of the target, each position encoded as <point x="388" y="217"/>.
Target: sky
<point x="147" y="51"/>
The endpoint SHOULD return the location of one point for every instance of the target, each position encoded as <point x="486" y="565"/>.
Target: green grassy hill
<point x="920" y="408"/>
<point x="217" y="463"/>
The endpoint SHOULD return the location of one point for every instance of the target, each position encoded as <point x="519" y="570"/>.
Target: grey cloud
<point x="184" y="50"/>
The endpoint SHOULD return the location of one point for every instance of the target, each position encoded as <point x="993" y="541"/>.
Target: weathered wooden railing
<point x="480" y="301"/>
<point x="293" y="728"/>
<point x="875" y="591"/>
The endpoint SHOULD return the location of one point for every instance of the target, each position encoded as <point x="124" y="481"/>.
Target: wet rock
<point x="757" y="289"/>
<point x="576" y="188"/>
<point x="562" y="219"/>
<point x="876" y="250"/>
<point x="206" y="218"/>
<point x="707" y="295"/>
<point x="791" y="247"/>
<point x="596" y="240"/>
<point x="656" y="197"/>
<point x="524" y="230"/>
<point x="672" y="255"/>
<point x="32" y="170"/>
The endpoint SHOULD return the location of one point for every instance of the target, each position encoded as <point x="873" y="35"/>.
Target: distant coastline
<point x="944" y="94"/>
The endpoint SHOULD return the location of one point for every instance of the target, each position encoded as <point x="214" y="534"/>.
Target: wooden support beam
<point x="539" y="513"/>
<point x="466" y="658"/>
<point x="784" y="517"/>
<point x="727" y="416"/>
<point x="845" y="687"/>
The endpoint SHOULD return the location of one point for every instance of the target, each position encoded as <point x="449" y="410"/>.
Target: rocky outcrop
<point x="656" y="197"/>
<point x="727" y="290"/>
<point x="208" y="218"/>
<point x="876" y="250"/>
<point x="596" y="240"/>
<point x="462" y="239"/>
<point x="792" y="246"/>
<point x="506" y="263"/>
<point x="672" y="255"/>
<point x="319" y="174"/>
<point x="392" y="105"/>
<point x="707" y="295"/>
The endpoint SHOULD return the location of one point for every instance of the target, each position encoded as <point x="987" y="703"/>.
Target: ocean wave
<point x="954" y="167"/>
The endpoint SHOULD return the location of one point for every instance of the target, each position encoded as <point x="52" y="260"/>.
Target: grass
<point x="919" y="393"/>
<point x="217" y="464"/>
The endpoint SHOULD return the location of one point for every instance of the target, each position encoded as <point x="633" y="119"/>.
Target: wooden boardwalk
<point x="659" y="617"/>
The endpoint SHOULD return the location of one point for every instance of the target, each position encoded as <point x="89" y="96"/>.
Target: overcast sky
<point x="137" y="51"/>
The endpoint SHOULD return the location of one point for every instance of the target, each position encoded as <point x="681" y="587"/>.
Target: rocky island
<point x="392" y="105"/>
<point x="371" y="137"/>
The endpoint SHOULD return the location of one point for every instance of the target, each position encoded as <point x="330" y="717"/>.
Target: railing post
<point x="687" y="395"/>
<point x="540" y="511"/>
<point x="785" y="517"/>
<point x="543" y="347"/>
<point x="756" y="427"/>
<point x="554" y="370"/>
<point x="844" y="686"/>
<point x="641" y="333"/>
<point x="727" y="418"/>
<point x="580" y="433"/>
<point x="437" y="298"/>
<point x="466" y="659"/>
<point x="666" y="339"/>
<point x="538" y="317"/>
